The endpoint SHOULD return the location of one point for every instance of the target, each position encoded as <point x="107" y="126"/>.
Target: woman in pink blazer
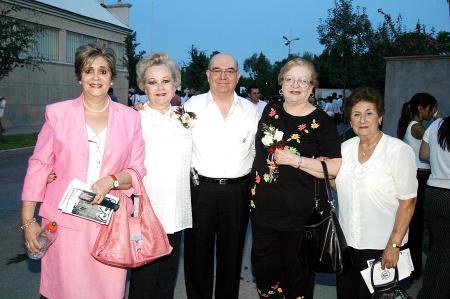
<point x="95" y="140"/>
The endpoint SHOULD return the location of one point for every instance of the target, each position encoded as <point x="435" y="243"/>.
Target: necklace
<point x="96" y="111"/>
<point x="369" y="148"/>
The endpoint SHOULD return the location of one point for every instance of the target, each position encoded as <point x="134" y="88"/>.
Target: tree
<point x="345" y="34"/>
<point x="17" y="41"/>
<point x="131" y="59"/>
<point x="261" y="73"/>
<point x="194" y="72"/>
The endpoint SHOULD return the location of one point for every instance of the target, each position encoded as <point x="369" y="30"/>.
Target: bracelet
<point x="300" y="162"/>
<point x="28" y="223"/>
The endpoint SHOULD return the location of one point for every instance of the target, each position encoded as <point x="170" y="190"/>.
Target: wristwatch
<point x="115" y="181"/>
<point x="395" y="245"/>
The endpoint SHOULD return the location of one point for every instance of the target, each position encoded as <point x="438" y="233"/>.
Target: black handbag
<point x="389" y="290"/>
<point x="323" y="246"/>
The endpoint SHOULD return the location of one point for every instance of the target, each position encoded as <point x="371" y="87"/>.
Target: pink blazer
<point x="62" y="145"/>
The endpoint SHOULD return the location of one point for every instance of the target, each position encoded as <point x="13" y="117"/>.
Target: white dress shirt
<point x="369" y="193"/>
<point x="439" y="158"/>
<point x="168" y="147"/>
<point x="223" y="148"/>
<point x="260" y="107"/>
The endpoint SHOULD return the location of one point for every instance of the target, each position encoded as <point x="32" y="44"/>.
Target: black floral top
<point x="284" y="201"/>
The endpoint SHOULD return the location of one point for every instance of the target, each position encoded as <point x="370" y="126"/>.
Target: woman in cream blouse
<point x="168" y="158"/>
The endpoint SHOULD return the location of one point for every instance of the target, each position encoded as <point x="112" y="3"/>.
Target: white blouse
<point x="96" y="144"/>
<point x="168" y="147"/>
<point x="369" y="192"/>
<point x="415" y="144"/>
<point x="439" y="158"/>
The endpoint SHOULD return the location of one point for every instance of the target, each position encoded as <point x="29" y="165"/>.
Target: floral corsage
<point x="186" y="118"/>
<point x="272" y="140"/>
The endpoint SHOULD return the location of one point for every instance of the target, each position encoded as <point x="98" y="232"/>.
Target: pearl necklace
<point x="96" y="111"/>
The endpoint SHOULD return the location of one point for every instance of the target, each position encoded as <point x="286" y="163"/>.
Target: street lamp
<point x="287" y="42"/>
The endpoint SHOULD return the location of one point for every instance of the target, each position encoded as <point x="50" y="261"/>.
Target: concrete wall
<point x="406" y="76"/>
<point x="27" y="91"/>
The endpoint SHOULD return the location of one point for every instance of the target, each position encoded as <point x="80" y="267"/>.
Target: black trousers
<point x="277" y="269"/>
<point x="220" y="218"/>
<point x="350" y="284"/>
<point x="416" y="226"/>
<point x="157" y="279"/>
<point x="436" y="280"/>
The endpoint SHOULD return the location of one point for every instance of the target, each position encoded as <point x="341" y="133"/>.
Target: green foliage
<point x="193" y="73"/>
<point x="18" y="141"/>
<point x="17" y="41"/>
<point x="261" y="74"/>
<point x="345" y="34"/>
<point x="132" y="58"/>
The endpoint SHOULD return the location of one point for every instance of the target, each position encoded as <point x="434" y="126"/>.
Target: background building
<point x="65" y="26"/>
<point x="406" y="76"/>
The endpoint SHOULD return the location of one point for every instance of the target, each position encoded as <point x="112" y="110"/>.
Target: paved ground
<point x="21" y="280"/>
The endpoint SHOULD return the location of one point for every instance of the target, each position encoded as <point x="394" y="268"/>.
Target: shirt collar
<point x="168" y="113"/>
<point x="237" y="101"/>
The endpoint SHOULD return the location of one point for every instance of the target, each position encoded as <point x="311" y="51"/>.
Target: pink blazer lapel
<point x="80" y="125"/>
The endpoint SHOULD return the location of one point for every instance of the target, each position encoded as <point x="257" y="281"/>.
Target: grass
<point x="18" y="141"/>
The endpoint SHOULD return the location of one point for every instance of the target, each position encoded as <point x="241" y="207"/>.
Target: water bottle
<point x="45" y="239"/>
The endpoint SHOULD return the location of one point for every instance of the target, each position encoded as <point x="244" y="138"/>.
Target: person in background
<point x="255" y="97"/>
<point x="2" y="112"/>
<point x="97" y="141"/>
<point x="337" y="107"/>
<point x="420" y="107"/>
<point x="376" y="185"/>
<point x="328" y="107"/>
<point x="223" y="151"/>
<point x="168" y="160"/>
<point x="282" y="194"/>
<point x="112" y="96"/>
<point x="176" y="100"/>
<point x="436" y="149"/>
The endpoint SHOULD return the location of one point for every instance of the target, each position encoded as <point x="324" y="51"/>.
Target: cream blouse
<point x="369" y="192"/>
<point x="168" y="147"/>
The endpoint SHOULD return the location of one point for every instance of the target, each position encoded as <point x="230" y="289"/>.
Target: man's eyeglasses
<point x="227" y="72"/>
<point x="97" y="154"/>
<point x="302" y="82"/>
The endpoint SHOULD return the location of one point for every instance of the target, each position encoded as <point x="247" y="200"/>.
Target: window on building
<point x="47" y="45"/>
<point x="73" y="41"/>
<point x="119" y="49"/>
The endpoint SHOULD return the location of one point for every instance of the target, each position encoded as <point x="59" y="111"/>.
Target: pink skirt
<point x="69" y="271"/>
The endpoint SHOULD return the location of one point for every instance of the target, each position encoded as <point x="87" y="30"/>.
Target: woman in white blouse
<point x="168" y="159"/>
<point x="436" y="149"/>
<point x="376" y="184"/>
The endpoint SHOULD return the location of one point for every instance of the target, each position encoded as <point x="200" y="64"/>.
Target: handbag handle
<point x="327" y="184"/>
<point x="141" y="187"/>
<point x="387" y="285"/>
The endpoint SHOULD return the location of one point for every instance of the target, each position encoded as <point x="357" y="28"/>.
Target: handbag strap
<point x="327" y="184"/>
<point x="384" y="286"/>
<point x="141" y="187"/>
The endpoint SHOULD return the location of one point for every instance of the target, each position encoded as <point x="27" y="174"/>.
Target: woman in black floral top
<point x="282" y="194"/>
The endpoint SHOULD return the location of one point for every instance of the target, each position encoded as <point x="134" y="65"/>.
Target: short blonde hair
<point x="299" y="62"/>
<point x="157" y="59"/>
<point x="86" y="54"/>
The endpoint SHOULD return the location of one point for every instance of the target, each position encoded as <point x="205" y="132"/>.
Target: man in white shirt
<point x="223" y="152"/>
<point x="337" y="106"/>
<point x="255" y="97"/>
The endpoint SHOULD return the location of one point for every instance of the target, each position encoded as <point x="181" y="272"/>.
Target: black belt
<point x="204" y="179"/>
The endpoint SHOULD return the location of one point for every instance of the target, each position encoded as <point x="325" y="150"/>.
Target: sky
<point x="245" y="27"/>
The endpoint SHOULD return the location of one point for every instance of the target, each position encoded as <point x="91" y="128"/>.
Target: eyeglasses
<point x="227" y="72"/>
<point x="302" y="82"/>
<point x="98" y="154"/>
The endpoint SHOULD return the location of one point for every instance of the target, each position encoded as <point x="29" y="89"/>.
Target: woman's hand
<point x="138" y="107"/>
<point x="101" y="188"/>
<point x="286" y="157"/>
<point x="30" y="234"/>
<point x="390" y="257"/>
<point x="51" y="177"/>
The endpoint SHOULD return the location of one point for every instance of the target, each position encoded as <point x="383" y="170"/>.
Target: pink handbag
<point x="130" y="242"/>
